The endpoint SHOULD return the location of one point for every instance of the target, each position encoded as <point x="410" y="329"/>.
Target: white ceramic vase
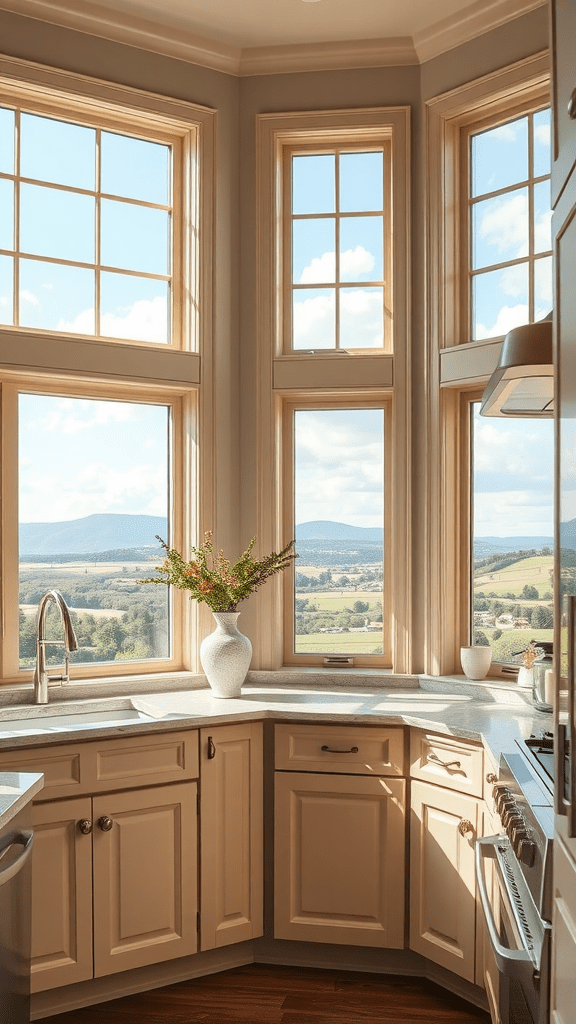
<point x="225" y="656"/>
<point x="525" y="678"/>
<point x="475" y="661"/>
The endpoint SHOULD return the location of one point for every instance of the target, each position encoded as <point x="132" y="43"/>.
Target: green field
<point x="533" y="572"/>
<point x="331" y="601"/>
<point x="346" y="644"/>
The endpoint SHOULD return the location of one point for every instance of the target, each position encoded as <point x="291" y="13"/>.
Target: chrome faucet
<point x="69" y="643"/>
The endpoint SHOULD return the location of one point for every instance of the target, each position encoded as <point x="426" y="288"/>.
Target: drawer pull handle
<point x="572" y="106"/>
<point x="85" y="826"/>
<point x="105" y="823"/>
<point x="465" y="826"/>
<point x="211" y="754"/>
<point x="353" y="750"/>
<point x="445" y="764"/>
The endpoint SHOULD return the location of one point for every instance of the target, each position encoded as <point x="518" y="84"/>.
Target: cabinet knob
<point x="85" y="826"/>
<point x="465" y="826"/>
<point x="105" y="823"/>
<point x="491" y="778"/>
<point x="211" y="752"/>
<point x="572" y="106"/>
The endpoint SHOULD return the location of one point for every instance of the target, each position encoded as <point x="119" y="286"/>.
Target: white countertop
<point x="491" y="714"/>
<point x="16" y="790"/>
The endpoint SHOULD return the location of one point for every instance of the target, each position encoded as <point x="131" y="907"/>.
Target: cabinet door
<point x="61" y="895"/>
<point x="339" y="859"/>
<point x="231" y="776"/>
<point x="564" y="937"/>
<point x="563" y="16"/>
<point x="442" y="883"/>
<point x="145" y="877"/>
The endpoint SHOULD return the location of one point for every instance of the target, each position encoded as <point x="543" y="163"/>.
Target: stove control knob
<point x="513" y="821"/>
<point x="518" y="835"/>
<point x="503" y="797"/>
<point x="526" y="851"/>
<point x="509" y="814"/>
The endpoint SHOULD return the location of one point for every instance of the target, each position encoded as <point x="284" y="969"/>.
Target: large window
<point x="105" y="311"/>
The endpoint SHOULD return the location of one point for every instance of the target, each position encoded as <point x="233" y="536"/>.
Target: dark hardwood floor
<point x="263" y="994"/>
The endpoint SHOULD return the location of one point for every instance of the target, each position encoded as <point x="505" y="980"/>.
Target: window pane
<point x="338" y="489"/>
<point x="6" y="141"/>
<point x="542" y="287"/>
<point x="57" y="151"/>
<point x="6" y="214"/>
<point x="361" y="318"/>
<point x="500" y="301"/>
<point x="313" y="184"/>
<point x="6" y="290"/>
<point x="134" y="237"/>
<point x="56" y="223"/>
<point x="541" y="143"/>
<point x="93" y="493"/>
<point x="135" y="168"/>
<point x="134" y="308"/>
<point x="314" y="318"/>
<point x="500" y="229"/>
<point x="513" y="470"/>
<point x="361" y="182"/>
<point x="542" y="217"/>
<point x="56" y="297"/>
<point x="361" y="249"/>
<point x="500" y="157"/>
<point x="313" y="248"/>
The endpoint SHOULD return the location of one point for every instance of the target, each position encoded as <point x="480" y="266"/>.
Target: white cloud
<point x="354" y="263"/>
<point x="145" y="320"/>
<point x="29" y="297"/>
<point x="513" y="513"/>
<point x="92" y="488"/>
<point x="320" y="270"/>
<point x="505" y="132"/>
<point x="504" y="223"/>
<point x="507" y="318"/>
<point x="542" y="134"/>
<point x="313" y="321"/>
<point x="543" y="232"/>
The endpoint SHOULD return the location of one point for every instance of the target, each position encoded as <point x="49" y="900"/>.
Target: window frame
<point x="458" y="369"/>
<point x="107" y="368"/>
<point x="290" y="407"/>
<point x="335" y="377"/>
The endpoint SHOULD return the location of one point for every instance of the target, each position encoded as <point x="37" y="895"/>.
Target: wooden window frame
<point x="336" y="377"/>
<point x="290" y="406"/>
<point x="457" y="369"/>
<point x="102" y="367"/>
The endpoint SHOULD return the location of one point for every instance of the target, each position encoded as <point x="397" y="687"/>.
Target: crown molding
<point x="480" y="17"/>
<point x="107" y="23"/>
<point x="360" y="53"/>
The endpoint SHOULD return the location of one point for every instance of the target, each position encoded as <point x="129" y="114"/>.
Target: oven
<point x="514" y="879"/>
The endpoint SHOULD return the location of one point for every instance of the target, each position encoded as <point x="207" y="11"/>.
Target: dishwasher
<point x="16" y="841"/>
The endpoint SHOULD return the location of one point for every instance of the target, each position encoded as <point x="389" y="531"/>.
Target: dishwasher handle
<point x="24" y="839"/>
<point x="513" y="963"/>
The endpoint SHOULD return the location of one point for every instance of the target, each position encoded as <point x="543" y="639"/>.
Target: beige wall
<point x="238" y="101"/>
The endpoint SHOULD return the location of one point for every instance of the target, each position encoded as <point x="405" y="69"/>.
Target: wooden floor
<point x="262" y="994"/>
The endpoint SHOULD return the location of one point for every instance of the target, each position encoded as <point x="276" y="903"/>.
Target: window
<point x="338" y="248"/>
<point x="105" y="311"/>
<point x="510" y="224"/>
<point x="86" y="229"/>
<point x="333" y="231"/>
<point x="339" y="606"/>
<point x="512" y="533"/>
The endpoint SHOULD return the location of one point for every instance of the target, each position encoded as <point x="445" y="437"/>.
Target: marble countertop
<point x="16" y="790"/>
<point x="491" y="714"/>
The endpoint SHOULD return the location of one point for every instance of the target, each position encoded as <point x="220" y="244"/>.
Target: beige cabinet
<point x="114" y="874"/>
<point x="563" y="937"/>
<point x="443" y="829"/>
<point x="231" y="780"/>
<point x="339" y="873"/>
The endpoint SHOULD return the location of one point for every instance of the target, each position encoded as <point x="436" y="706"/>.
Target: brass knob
<point x="491" y="778"/>
<point x="572" y="106"/>
<point x="465" y="826"/>
<point x="85" y="826"/>
<point x="105" y="823"/>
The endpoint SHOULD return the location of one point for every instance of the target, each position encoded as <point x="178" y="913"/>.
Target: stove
<point x="540" y="750"/>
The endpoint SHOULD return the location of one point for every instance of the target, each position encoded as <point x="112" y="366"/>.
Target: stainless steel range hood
<point x="523" y="382"/>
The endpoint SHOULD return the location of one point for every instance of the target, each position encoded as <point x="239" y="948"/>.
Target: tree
<point x="530" y="592"/>
<point x="480" y="638"/>
<point x="360" y="606"/>
<point x="542" y="618"/>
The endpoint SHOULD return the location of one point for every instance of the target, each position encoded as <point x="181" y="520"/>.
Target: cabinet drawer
<point x="451" y="763"/>
<point x="99" y="766"/>
<point x="339" y="748"/>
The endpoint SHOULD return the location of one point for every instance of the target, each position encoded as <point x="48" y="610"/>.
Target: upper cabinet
<point x="563" y="14"/>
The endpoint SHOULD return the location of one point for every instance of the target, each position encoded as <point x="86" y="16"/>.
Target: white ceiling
<point x="258" y="36"/>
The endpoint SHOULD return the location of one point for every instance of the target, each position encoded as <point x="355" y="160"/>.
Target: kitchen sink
<point x="39" y="721"/>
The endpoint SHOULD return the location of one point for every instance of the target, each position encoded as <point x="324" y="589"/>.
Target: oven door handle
<point x="514" y="963"/>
